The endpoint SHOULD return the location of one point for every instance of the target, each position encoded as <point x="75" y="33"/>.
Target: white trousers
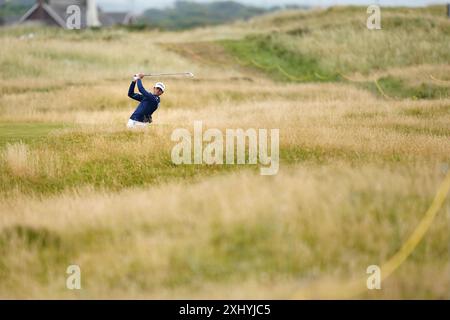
<point x="136" y="124"/>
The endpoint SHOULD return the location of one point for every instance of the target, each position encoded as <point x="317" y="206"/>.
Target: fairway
<point x="364" y="145"/>
<point x="14" y="132"/>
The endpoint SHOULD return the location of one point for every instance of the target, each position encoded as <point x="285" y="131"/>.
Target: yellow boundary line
<point x="239" y="61"/>
<point x="288" y="74"/>
<point x="294" y="78"/>
<point x="350" y="289"/>
<point x="348" y="78"/>
<point x="320" y="77"/>
<point x="284" y="72"/>
<point x="447" y="82"/>
<point x="261" y="66"/>
<point x="381" y="90"/>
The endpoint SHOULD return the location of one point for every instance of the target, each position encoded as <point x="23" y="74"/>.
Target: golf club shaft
<point x="188" y="74"/>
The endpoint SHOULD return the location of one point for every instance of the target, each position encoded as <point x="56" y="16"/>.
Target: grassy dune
<point x="364" y="121"/>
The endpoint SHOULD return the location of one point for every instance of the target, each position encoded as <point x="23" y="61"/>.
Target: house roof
<point x="117" y="17"/>
<point x="57" y="10"/>
<point x="113" y="18"/>
<point x="49" y="10"/>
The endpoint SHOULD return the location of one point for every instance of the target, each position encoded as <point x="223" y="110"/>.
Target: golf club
<point x="186" y="74"/>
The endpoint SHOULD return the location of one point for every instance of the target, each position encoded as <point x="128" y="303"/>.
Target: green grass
<point x="12" y="68"/>
<point x="319" y="45"/>
<point x="398" y="88"/>
<point x="81" y="164"/>
<point x="407" y="129"/>
<point x="433" y="112"/>
<point x="267" y="55"/>
<point x="47" y="32"/>
<point x="26" y="132"/>
<point x="112" y="169"/>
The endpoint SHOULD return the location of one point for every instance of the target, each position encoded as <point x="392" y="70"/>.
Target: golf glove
<point x="135" y="77"/>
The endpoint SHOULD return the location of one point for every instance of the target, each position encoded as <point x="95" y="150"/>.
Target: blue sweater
<point x="148" y="103"/>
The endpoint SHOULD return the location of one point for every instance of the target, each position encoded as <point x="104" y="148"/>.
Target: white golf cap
<point x="161" y="86"/>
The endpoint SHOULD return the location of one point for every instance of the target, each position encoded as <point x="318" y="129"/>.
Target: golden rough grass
<point x="23" y="162"/>
<point x="235" y="235"/>
<point x="16" y="158"/>
<point x="313" y="212"/>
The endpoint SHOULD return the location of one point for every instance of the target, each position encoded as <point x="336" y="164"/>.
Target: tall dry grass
<point x="357" y="171"/>
<point x="313" y="223"/>
<point x="20" y="161"/>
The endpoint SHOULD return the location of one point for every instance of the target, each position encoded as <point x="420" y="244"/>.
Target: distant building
<point x="119" y="18"/>
<point x="54" y="13"/>
<point x="8" y="20"/>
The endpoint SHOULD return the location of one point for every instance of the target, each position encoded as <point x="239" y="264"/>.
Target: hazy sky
<point x="139" y="5"/>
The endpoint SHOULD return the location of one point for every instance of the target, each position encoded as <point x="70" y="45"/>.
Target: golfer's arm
<point x="142" y="89"/>
<point x="131" y="93"/>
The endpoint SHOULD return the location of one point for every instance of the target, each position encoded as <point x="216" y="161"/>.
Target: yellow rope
<point x="347" y="78"/>
<point x="408" y="247"/>
<point x="381" y="90"/>
<point x="447" y="82"/>
<point x="239" y="61"/>
<point x="261" y="66"/>
<point x="349" y="289"/>
<point x="320" y="77"/>
<point x="293" y="78"/>
<point x="284" y="72"/>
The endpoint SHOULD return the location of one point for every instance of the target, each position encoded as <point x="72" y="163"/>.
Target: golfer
<point x="142" y="116"/>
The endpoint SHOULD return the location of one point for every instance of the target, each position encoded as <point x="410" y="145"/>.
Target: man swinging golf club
<point x="149" y="102"/>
